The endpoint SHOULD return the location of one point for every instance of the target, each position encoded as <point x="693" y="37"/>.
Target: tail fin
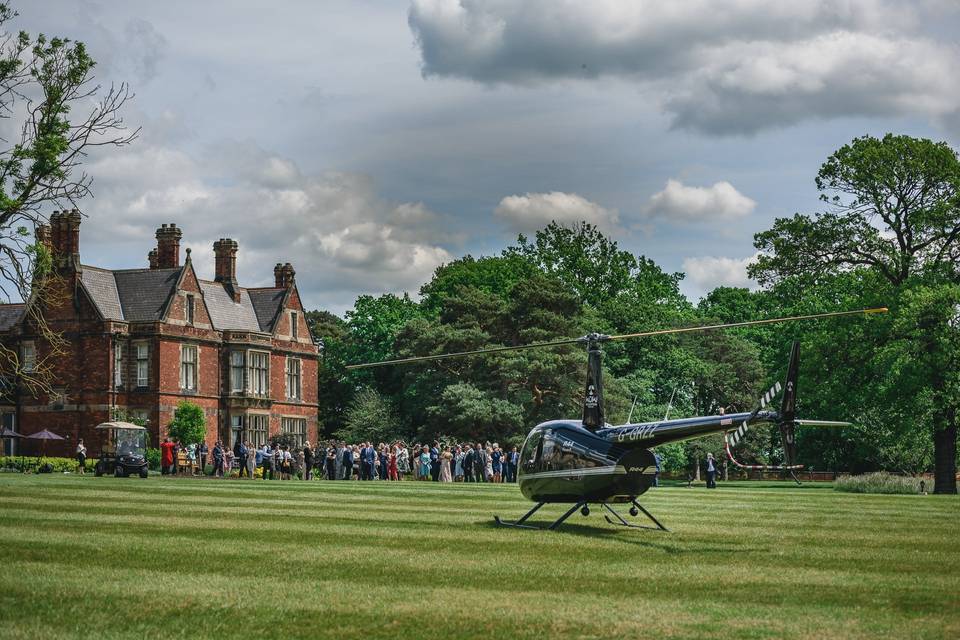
<point x="788" y="409"/>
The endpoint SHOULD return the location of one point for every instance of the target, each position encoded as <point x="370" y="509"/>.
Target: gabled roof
<point x="134" y="295"/>
<point x="267" y="304"/>
<point x="144" y="292"/>
<point x="224" y="312"/>
<point x="10" y="314"/>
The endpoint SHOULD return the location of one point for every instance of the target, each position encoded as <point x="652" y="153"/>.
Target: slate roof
<point x="102" y="287"/>
<point x="144" y="292"/>
<point x="266" y="304"/>
<point x="227" y="314"/>
<point x="140" y="295"/>
<point x="10" y="314"/>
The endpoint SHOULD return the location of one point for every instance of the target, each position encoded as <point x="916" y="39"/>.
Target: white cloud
<point x="718" y="66"/>
<point x="532" y="211"/>
<point x="678" y="202"/>
<point x="705" y="273"/>
<point x="341" y="237"/>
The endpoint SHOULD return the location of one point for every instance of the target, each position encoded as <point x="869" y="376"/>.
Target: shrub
<point x="879" y="482"/>
<point x="189" y="424"/>
<point x="29" y="463"/>
<point x="153" y="459"/>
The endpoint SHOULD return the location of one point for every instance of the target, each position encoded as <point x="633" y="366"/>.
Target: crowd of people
<point x="436" y="462"/>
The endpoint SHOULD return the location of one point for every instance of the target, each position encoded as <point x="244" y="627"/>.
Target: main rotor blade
<point x="603" y="338"/>
<point x="460" y="354"/>
<point x="729" y="325"/>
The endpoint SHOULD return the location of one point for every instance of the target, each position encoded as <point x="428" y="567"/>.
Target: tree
<point x="189" y="424"/>
<point x="370" y="418"/>
<point x="48" y="93"/>
<point x="894" y="209"/>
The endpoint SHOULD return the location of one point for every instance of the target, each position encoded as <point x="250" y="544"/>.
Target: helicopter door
<point x="531" y="452"/>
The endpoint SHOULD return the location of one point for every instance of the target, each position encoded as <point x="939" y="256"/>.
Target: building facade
<point x="136" y="342"/>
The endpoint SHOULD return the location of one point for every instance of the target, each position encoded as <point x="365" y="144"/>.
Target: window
<point x="143" y="366"/>
<point x="257" y="424"/>
<point x="28" y="357"/>
<point x="118" y="364"/>
<point x="293" y="378"/>
<point x="236" y="430"/>
<point x="294" y="328"/>
<point x="139" y="416"/>
<point x="259" y="372"/>
<point x="190" y="308"/>
<point x="188" y="367"/>
<point x="237" y="368"/>
<point x="297" y="427"/>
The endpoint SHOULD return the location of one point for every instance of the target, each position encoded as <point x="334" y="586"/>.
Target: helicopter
<point x="588" y="461"/>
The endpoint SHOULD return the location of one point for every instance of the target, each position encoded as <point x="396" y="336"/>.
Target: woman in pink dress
<point x="445" y="459"/>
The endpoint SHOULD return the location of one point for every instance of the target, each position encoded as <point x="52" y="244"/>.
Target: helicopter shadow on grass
<point x="632" y="537"/>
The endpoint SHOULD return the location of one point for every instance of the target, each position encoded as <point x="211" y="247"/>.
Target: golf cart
<point x="124" y="450"/>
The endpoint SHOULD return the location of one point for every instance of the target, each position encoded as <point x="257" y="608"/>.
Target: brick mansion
<point x="136" y="342"/>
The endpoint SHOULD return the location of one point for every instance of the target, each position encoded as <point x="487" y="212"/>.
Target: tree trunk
<point x="945" y="459"/>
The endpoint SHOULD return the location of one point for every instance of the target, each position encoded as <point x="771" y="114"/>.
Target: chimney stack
<point x="225" y="256"/>
<point x="63" y="237"/>
<point x="153" y="258"/>
<point x="44" y="237"/>
<point x="283" y="275"/>
<point x="168" y="246"/>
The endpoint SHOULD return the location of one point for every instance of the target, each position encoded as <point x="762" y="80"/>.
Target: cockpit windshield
<point x="130" y="442"/>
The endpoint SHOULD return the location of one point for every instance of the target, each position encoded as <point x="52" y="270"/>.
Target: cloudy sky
<point x="369" y="141"/>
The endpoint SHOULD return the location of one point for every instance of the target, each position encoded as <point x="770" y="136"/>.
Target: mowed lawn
<point x="197" y="558"/>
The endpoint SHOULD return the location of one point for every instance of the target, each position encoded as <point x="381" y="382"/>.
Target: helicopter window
<point x="528" y="455"/>
<point x="548" y="454"/>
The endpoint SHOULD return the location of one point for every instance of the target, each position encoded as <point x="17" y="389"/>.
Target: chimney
<point x="168" y="246"/>
<point x="225" y="256"/>
<point x="44" y="237"/>
<point x="283" y="275"/>
<point x="154" y="258"/>
<point x="63" y="237"/>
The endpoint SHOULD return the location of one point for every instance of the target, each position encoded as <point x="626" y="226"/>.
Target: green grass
<point x="186" y="558"/>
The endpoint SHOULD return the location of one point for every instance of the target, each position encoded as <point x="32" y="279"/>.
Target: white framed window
<point x="118" y="364"/>
<point x="237" y="370"/>
<point x="297" y="427"/>
<point x="28" y="357"/>
<point x="258" y="370"/>
<point x="140" y="417"/>
<point x="257" y="428"/>
<point x="294" y="326"/>
<point x="293" y="379"/>
<point x="189" y="357"/>
<point x="143" y="365"/>
<point x="236" y="429"/>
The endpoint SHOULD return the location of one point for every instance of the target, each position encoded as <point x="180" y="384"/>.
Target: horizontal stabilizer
<point x="821" y="423"/>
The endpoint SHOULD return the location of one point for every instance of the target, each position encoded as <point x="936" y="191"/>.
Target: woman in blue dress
<point x="425" y="463"/>
<point x="497" y="463"/>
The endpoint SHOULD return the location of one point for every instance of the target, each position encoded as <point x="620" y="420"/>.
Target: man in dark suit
<point x="479" y="464"/>
<point x="513" y="460"/>
<point x="368" y="458"/>
<point x="435" y="462"/>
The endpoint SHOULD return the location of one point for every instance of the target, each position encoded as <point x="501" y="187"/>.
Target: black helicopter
<point x="586" y="461"/>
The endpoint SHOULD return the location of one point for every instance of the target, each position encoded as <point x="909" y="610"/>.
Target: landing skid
<point x="585" y="509"/>
<point x="621" y="521"/>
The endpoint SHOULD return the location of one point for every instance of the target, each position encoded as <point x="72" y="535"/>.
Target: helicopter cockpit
<point x="560" y="447"/>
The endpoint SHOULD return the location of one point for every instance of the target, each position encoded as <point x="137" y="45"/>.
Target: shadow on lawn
<point x="648" y="538"/>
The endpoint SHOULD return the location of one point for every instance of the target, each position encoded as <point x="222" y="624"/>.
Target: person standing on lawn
<point x="218" y="460"/>
<point x="202" y="457"/>
<point x="711" y="472"/>
<point x="240" y="453"/>
<point x="81" y="456"/>
<point x="166" y="456"/>
<point x="251" y="460"/>
<point x="308" y="461"/>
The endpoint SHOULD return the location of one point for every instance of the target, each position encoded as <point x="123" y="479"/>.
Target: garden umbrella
<point x="9" y="434"/>
<point x="43" y="436"/>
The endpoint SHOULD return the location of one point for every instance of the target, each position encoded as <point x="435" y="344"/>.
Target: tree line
<point x="889" y="235"/>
